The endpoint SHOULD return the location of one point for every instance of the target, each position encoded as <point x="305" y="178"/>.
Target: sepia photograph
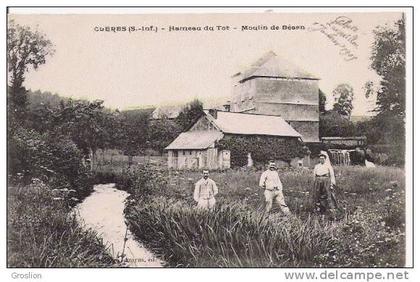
<point x="210" y="138"/>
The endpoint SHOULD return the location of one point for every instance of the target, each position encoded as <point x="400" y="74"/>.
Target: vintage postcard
<point x="210" y="138"/>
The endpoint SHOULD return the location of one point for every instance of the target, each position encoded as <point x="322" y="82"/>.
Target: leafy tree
<point x="388" y="60"/>
<point x="190" y="113"/>
<point x="39" y="99"/>
<point x="26" y="49"/>
<point x="161" y="133"/>
<point x="54" y="159"/>
<point x="322" y="101"/>
<point x="133" y="133"/>
<point x="334" y="124"/>
<point x="88" y="124"/>
<point x="343" y="97"/>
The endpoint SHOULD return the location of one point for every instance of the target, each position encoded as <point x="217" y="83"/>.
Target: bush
<point x="54" y="159"/>
<point x="262" y="148"/>
<point x="42" y="232"/>
<point x="140" y="181"/>
<point x="391" y="155"/>
<point x="332" y="123"/>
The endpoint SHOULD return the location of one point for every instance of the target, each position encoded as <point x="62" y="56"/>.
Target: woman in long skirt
<point x="324" y="181"/>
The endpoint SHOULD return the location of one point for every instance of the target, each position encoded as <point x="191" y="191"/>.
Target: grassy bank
<point x="370" y="231"/>
<point x="42" y="232"/>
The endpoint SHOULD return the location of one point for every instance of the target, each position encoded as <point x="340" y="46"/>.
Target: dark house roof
<point x="233" y="123"/>
<point x="195" y="140"/>
<point x="252" y="124"/>
<point x="271" y="65"/>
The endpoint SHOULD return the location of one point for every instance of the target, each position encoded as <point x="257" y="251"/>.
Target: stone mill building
<point x="273" y="98"/>
<point x="274" y="86"/>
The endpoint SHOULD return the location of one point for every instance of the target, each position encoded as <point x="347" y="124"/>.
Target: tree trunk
<point x="92" y="155"/>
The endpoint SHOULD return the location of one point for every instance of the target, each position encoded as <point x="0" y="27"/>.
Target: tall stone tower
<point x="273" y="86"/>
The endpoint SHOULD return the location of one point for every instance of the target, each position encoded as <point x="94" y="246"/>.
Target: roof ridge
<point x="255" y="114"/>
<point x="285" y="67"/>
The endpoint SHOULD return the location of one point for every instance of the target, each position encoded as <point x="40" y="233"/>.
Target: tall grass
<point x="42" y="232"/>
<point x="232" y="236"/>
<point x="238" y="233"/>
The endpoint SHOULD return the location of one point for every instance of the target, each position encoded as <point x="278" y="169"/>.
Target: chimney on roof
<point x="227" y="106"/>
<point x="213" y="113"/>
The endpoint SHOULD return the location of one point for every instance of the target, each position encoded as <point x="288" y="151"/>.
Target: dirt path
<point x="103" y="212"/>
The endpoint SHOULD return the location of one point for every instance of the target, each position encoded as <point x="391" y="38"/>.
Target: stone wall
<point x="295" y="100"/>
<point x="308" y="129"/>
<point x="299" y="91"/>
<point x="289" y="112"/>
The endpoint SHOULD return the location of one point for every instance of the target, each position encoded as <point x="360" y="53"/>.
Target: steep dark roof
<point x="271" y="65"/>
<point x="233" y="123"/>
<point x="252" y="124"/>
<point x="195" y="140"/>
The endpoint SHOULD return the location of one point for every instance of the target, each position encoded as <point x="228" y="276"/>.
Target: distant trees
<point x="336" y="122"/>
<point x="322" y="101"/>
<point x="161" y="133"/>
<point x="88" y="124"/>
<point x="333" y="123"/>
<point x="132" y="132"/>
<point x="343" y="98"/>
<point x="190" y="113"/>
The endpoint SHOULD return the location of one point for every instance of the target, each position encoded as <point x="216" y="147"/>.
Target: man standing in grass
<point x="204" y="192"/>
<point x="270" y="181"/>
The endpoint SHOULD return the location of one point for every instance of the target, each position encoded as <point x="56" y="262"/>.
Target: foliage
<point x="190" y="113"/>
<point x="46" y="169"/>
<point x="161" y="133"/>
<point x="322" y="100"/>
<point x="86" y="123"/>
<point x="133" y="132"/>
<point x="26" y="49"/>
<point x="388" y="60"/>
<point x="343" y="97"/>
<point x="139" y="182"/>
<point x="334" y="124"/>
<point x="387" y="132"/>
<point x="237" y="233"/>
<point x="53" y="159"/>
<point x="262" y="148"/>
<point x="40" y="99"/>
<point x="41" y="232"/>
<point x="28" y="154"/>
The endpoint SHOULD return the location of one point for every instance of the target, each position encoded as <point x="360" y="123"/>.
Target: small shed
<point x="197" y="147"/>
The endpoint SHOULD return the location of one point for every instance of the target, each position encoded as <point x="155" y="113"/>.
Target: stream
<point x="102" y="211"/>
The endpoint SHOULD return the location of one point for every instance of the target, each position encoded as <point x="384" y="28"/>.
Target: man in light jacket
<point x="204" y="192"/>
<point x="270" y="181"/>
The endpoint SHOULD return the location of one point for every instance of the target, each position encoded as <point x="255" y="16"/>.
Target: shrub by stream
<point x="42" y="232"/>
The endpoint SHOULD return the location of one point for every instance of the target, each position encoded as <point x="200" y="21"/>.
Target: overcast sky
<point x="137" y="69"/>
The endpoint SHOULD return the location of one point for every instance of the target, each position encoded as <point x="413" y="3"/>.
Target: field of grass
<point x="369" y="233"/>
<point x="43" y="233"/>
